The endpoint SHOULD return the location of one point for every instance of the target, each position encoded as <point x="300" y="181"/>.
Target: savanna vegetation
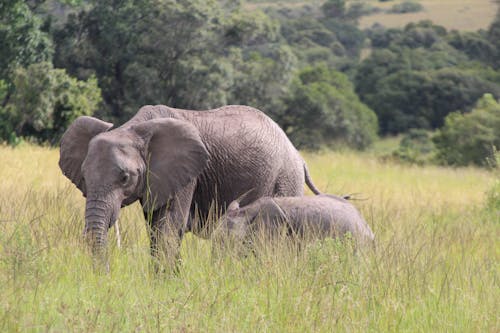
<point x="311" y="67"/>
<point x="405" y="117"/>
<point x="434" y="266"/>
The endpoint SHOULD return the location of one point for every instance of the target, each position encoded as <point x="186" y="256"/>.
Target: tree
<point x="322" y="108"/>
<point x="422" y="99"/>
<point x="22" y="40"/>
<point x="261" y="81"/>
<point x="494" y="38"/>
<point x="179" y="53"/>
<point x="471" y="138"/>
<point x="419" y="74"/>
<point x="45" y="101"/>
<point x="416" y="147"/>
<point x="333" y="8"/>
<point x="475" y="44"/>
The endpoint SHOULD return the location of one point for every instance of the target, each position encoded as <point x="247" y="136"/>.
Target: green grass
<point x="434" y="268"/>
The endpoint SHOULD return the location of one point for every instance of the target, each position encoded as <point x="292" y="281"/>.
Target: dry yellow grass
<point x="434" y="266"/>
<point x="468" y="15"/>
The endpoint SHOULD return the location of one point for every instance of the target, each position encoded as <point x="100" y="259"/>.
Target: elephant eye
<point x="124" y="178"/>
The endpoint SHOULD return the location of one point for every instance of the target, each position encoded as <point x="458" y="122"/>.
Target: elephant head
<point x="239" y="221"/>
<point x="147" y="161"/>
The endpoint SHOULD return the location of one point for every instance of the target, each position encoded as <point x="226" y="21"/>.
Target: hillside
<point x="469" y="15"/>
<point x="453" y="14"/>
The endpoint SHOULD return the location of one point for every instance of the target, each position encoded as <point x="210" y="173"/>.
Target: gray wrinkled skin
<point x="317" y="216"/>
<point x="177" y="163"/>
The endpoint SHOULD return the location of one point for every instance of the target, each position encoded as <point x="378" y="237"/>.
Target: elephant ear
<point x="233" y="206"/>
<point x="175" y="156"/>
<point x="74" y="146"/>
<point x="268" y="210"/>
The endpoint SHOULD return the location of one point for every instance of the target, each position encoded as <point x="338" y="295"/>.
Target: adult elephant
<point x="177" y="163"/>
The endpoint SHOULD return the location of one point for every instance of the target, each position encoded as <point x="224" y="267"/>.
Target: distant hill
<point x="453" y="14"/>
<point x="463" y="15"/>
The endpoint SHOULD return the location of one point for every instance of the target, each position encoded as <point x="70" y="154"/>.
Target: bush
<point x="45" y="101"/>
<point x="322" y="108"/>
<point x="416" y="147"/>
<point x="406" y="7"/>
<point x="419" y="99"/>
<point x="493" y="199"/>
<point x="471" y="138"/>
<point x="493" y="195"/>
<point x="358" y="9"/>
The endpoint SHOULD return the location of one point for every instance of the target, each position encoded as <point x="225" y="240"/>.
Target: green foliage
<point x="493" y="194"/>
<point x="474" y="44"/>
<point x="134" y="49"/>
<point x="360" y="8"/>
<point x="203" y="54"/>
<point x="422" y="34"/>
<point x="493" y="197"/>
<point x="249" y="28"/>
<point x="470" y="138"/>
<point x="261" y="81"/>
<point x="45" y="101"/>
<point x="422" y="73"/>
<point x="333" y="38"/>
<point x="22" y="43"/>
<point x="322" y="108"/>
<point x="416" y="147"/>
<point x="3" y="90"/>
<point x="406" y="7"/>
<point x="423" y="99"/>
<point x="22" y="40"/>
<point x="493" y="36"/>
<point x="333" y="8"/>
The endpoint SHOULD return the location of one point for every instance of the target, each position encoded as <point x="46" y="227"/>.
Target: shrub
<point x="471" y="138"/>
<point x="493" y="198"/>
<point x="322" y="108"/>
<point x="416" y="147"/>
<point x="493" y="194"/>
<point x="406" y="7"/>
<point x="358" y="9"/>
<point x="45" y="101"/>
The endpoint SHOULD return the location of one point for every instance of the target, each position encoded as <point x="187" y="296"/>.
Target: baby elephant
<point x="317" y="216"/>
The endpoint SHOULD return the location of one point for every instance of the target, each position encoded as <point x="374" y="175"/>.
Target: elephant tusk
<point x="118" y="238"/>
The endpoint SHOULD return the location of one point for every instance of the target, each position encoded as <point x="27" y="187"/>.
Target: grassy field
<point x="434" y="268"/>
<point x="468" y="15"/>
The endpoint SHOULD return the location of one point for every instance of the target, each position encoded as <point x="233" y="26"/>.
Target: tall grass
<point x="434" y="267"/>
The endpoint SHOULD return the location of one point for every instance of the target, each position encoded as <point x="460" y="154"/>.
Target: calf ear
<point x="74" y="146"/>
<point x="268" y="209"/>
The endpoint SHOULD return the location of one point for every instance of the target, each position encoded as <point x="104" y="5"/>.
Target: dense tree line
<point x="301" y="65"/>
<point x="417" y="75"/>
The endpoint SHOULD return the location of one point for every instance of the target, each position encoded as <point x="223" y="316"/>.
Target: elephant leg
<point x="289" y="184"/>
<point x="166" y="228"/>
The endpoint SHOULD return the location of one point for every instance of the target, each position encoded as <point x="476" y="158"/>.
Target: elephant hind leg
<point x="289" y="184"/>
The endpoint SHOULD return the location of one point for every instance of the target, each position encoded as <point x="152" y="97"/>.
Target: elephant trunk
<point x="98" y="215"/>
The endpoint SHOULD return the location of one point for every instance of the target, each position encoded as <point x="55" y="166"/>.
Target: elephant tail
<point x="309" y="182"/>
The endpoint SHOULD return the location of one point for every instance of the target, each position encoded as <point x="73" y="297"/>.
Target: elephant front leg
<point x="166" y="228"/>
